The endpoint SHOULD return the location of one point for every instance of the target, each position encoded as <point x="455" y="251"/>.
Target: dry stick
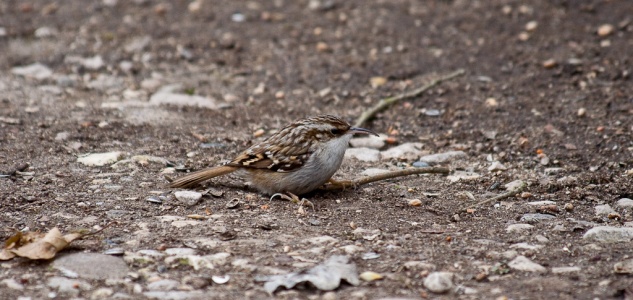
<point x="384" y="103"/>
<point x="400" y="173"/>
<point x="502" y="196"/>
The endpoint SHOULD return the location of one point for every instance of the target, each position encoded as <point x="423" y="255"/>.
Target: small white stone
<point x="604" y="210"/>
<point x="540" y="203"/>
<point x="522" y="263"/>
<point x="519" y="227"/>
<point x="562" y="270"/>
<point x="408" y="151"/>
<point x="100" y="159"/>
<point x="625" y="203"/>
<point x="497" y="166"/>
<point x="363" y="154"/>
<point x="188" y="197"/>
<point x="514" y="185"/>
<point x="372" y="142"/>
<point x="439" y="282"/>
<point x="37" y="71"/>
<point x="609" y="234"/>
<point x="373" y="172"/>
<point x="443" y="157"/>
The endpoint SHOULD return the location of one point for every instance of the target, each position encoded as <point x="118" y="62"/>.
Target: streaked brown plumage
<point x="297" y="159"/>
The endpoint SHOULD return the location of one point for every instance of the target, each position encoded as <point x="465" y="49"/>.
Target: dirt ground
<point x="547" y="92"/>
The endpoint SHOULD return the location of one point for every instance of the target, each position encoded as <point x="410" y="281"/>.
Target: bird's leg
<point x="294" y="199"/>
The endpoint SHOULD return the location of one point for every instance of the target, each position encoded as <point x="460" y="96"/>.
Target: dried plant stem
<point x="340" y="185"/>
<point x="502" y="196"/>
<point x="384" y="103"/>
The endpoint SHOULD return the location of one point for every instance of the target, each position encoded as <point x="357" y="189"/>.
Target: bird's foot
<point x="295" y="199"/>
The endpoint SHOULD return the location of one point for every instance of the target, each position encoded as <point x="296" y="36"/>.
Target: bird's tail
<point x="200" y="176"/>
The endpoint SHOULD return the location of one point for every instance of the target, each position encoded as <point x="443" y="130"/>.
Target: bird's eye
<point x="336" y="131"/>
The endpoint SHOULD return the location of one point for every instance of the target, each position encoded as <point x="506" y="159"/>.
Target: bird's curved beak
<point x="361" y="131"/>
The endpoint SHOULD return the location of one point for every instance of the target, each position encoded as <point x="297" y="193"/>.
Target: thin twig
<point x="369" y="179"/>
<point x="384" y="103"/>
<point x="502" y="196"/>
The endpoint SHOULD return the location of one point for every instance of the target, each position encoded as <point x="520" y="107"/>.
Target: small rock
<point x="137" y="44"/>
<point x="514" y="185"/>
<point x="439" y="282"/>
<point x="163" y="285"/>
<point x="102" y="293"/>
<point x="189" y="198"/>
<point x="407" y="151"/>
<point x="176" y="295"/>
<point x="363" y="154"/>
<point x="553" y="171"/>
<point x="67" y="286"/>
<point x="531" y="26"/>
<point x="180" y="251"/>
<point x="604" y="210"/>
<point x="92" y="265"/>
<point x="221" y="279"/>
<point x="564" y="270"/>
<point x="497" y="166"/>
<point x="415" y="202"/>
<point x="605" y="30"/>
<point x="377" y="81"/>
<point x="100" y="159"/>
<point x="37" y="71"/>
<point x="536" y="218"/>
<point x="442" y="157"/>
<point x="625" y="203"/>
<point x="609" y="234"/>
<point x="582" y="112"/>
<point x="550" y="63"/>
<point x="519" y="227"/>
<point x="373" y="172"/>
<point x="44" y="32"/>
<point x="169" y="98"/>
<point x="372" y="142"/>
<point x="62" y="136"/>
<point x="12" y="284"/>
<point x="522" y="263"/>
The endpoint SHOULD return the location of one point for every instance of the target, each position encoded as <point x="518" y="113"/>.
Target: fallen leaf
<point x="326" y="276"/>
<point x="35" y="245"/>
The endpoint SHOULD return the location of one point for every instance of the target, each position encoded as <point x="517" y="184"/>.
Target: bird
<point x="296" y="160"/>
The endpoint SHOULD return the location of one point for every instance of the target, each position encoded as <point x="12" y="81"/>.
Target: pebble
<point x="536" y="218"/>
<point x="221" y="279"/>
<point x="407" y="151"/>
<point x="363" y="154"/>
<point x="519" y="227"/>
<point x="625" y="203"/>
<point x="138" y="44"/>
<point x="605" y="30"/>
<point x="439" y="282"/>
<point x="463" y="176"/>
<point x="93" y="265"/>
<point x="180" y="251"/>
<point x="604" y="210"/>
<point x="550" y="63"/>
<point x="420" y="164"/>
<point x="36" y="71"/>
<point x="514" y="185"/>
<point x="582" y="112"/>
<point x="12" y="284"/>
<point x="522" y="263"/>
<point x="62" y="136"/>
<point x="564" y="270"/>
<point x="609" y="234"/>
<point x="44" y="32"/>
<point x="442" y="157"/>
<point x="497" y="166"/>
<point x="373" y="172"/>
<point x="163" y="285"/>
<point x="415" y="202"/>
<point x="102" y="293"/>
<point x="90" y="63"/>
<point x="624" y="267"/>
<point x="189" y="198"/>
<point x="373" y="142"/>
<point x="170" y="98"/>
<point x="370" y="255"/>
<point x="67" y="286"/>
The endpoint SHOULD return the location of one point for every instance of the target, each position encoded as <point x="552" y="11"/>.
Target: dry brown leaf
<point x="35" y="245"/>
